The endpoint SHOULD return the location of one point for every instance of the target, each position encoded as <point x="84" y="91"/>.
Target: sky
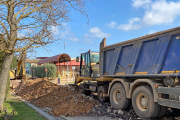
<point x="115" y="20"/>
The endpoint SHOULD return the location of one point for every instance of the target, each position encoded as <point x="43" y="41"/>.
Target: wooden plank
<point x="169" y="90"/>
<point x="169" y="103"/>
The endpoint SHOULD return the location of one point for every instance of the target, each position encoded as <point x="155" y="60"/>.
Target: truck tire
<point x="102" y="90"/>
<point x="118" y="97"/>
<point x="162" y="112"/>
<point x="143" y="102"/>
<point x="81" y="88"/>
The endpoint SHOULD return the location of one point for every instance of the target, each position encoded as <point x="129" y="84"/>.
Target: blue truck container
<point x="144" y="72"/>
<point x="155" y="55"/>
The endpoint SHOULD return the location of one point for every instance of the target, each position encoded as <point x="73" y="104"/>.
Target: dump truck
<point x="144" y="72"/>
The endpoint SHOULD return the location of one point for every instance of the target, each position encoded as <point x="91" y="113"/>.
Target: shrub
<point x="40" y="73"/>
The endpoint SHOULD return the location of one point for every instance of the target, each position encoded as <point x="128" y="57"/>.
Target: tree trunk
<point x="24" y="79"/>
<point x="4" y="76"/>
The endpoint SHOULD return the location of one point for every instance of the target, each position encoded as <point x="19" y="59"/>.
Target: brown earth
<point x="62" y="100"/>
<point x="75" y="105"/>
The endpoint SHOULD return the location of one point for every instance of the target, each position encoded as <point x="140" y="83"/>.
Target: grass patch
<point x="23" y="111"/>
<point x="9" y="95"/>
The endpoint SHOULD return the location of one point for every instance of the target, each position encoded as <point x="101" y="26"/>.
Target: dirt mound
<point x="35" y="89"/>
<point x="28" y="83"/>
<point x="75" y="105"/>
<point x="64" y="100"/>
<point x="55" y="97"/>
<point x="57" y="100"/>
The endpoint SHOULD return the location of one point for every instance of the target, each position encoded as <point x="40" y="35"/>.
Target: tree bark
<point x="4" y="73"/>
<point x="4" y="76"/>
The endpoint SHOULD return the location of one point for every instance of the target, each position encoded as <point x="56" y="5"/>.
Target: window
<point x="94" y="57"/>
<point x="87" y="60"/>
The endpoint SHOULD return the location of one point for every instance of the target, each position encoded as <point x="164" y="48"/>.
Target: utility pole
<point x="67" y="72"/>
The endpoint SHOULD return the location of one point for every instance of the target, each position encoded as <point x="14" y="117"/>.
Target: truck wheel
<point x="82" y="88"/>
<point x="162" y="112"/>
<point x="102" y="90"/>
<point x="118" y="97"/>
<point x="143" y="102"/>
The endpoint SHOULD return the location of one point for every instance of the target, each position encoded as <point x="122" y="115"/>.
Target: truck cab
<point x="89" y="64"/>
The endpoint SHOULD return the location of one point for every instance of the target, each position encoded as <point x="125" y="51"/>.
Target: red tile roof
<point x="55" y="59"/>
<point x="73" y="63"/>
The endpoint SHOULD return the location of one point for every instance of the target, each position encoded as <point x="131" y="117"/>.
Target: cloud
<point x="140" y="3"/>
<point x="55" y="29"/>
<point x="65" y="30"/>
<point x="161" y="12"/>
<point x="88" y="39"/>
<point x="72" y="39"/>
<point x="157" y="12"/>
<point x="28" y="31"/>
<point x="112" y="24"/>
<point x="130" y="25"/>
<point x="96" y="32"/>
<point x="20" y="35"/>
<point x="66" y="33"/>
<point x="151" y="31"/>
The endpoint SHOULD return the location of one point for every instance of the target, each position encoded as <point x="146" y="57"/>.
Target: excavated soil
<point x="64" y="100"/>
<point x="75" y="105"/>
<point x="57" y="100"/>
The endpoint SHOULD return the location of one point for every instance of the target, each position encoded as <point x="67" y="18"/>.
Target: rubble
<point x="74" y="105"/>
<point x="115" y="111"/>
<point x="120" y="112"/>
<point x="64" y="100"/>
<point x="56" y="100"/>
<point x="107" y="110"/>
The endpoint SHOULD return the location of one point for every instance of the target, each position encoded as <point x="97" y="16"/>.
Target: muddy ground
<point x="65" y="100"/>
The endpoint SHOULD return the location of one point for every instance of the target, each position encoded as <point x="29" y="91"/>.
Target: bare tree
<point x="25" y="24"/>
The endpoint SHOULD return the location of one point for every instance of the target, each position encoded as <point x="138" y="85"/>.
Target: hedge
<point x="40" y="73"/>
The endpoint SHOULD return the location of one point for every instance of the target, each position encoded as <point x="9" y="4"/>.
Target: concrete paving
<point x="63" y="81"/>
